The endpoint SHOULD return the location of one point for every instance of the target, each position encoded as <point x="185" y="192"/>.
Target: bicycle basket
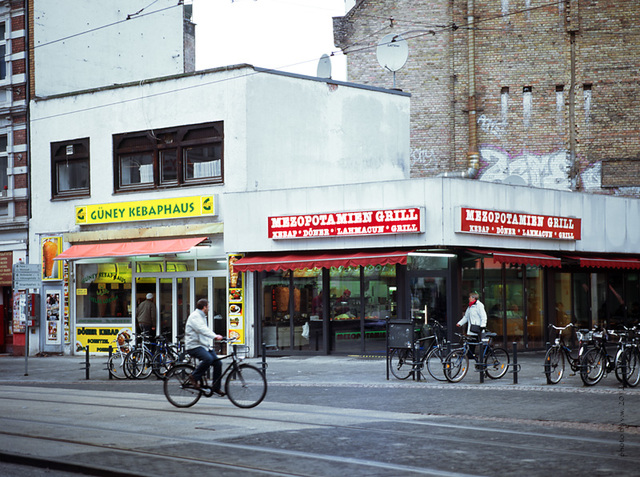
<point x="242" y="351"/>
<point x="585" y="336"/>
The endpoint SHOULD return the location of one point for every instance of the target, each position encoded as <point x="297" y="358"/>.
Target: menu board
<point x="235" y="308"/>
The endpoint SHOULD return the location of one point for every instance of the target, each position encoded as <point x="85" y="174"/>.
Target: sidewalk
<point x="302" y="371"/>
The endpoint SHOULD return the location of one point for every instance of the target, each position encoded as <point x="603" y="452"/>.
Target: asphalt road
<point x="323" y="416"/>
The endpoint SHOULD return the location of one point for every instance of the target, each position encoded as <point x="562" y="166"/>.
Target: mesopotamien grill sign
<point x="173" y="208"/>
<point x="335" y="224"/>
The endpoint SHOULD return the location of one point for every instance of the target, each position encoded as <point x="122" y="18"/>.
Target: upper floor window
<point x="70" y="168"/>
<point x="172" y="157"/>
<point x="3" y="52"/>
<point x="4" y="165"/>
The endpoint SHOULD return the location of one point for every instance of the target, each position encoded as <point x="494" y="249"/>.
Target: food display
<point x="235" y="295"/>
<point x="49" y="252"/>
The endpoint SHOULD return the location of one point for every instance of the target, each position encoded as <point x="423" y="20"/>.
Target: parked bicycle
<point x="166" y="355"/>
<point x="116" y="362"/>
<point x="630" y="359"/>
<point x="597" y="362"/>
<point x="493" y="361"/>
<point x="245" y="385"/>
<point x="560" y="353"/>
<point x="431" y="356"/>
<point x="138" y="363"/>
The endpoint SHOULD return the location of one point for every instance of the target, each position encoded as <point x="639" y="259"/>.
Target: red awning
<point x="629" y="263"/>
<point x="292" y="261"/>
<point x="128" y="249"/>
<point x="522" y="258"/>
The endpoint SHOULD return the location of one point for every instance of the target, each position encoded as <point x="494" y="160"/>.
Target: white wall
<point x="90" y="43"/>
<point x="609" y="224"/>
<point x="269" y="142"/>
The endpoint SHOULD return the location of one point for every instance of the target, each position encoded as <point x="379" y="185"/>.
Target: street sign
<point x="26" y="276"/>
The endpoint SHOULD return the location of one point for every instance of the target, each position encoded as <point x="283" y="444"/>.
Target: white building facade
<point x="133" y="184"/>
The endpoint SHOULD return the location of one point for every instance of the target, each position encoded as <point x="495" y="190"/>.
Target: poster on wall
<point x="19" y="312"/>
<point x="235" y="309"/>
<point x="50" y="248"/>
<point x="66" y="329"/>
<point x="54" y="323"/>
<point x="98" y="338"/>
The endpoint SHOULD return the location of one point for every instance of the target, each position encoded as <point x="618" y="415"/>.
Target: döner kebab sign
<point x="339" y="224"/>
<point x="516" y="224"/>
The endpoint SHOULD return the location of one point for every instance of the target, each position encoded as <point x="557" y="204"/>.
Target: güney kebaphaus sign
<point x="333" y="224"/>
<point x="517" y="224"/>
<point x="171" y="208"/>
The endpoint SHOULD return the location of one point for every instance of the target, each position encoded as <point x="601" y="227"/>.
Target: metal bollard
<point x="480" y="352"/>
<point x="515" y="363"/>
<point x="109" y="360"/>
<point x="264" y="358"/>
<point x="86" y="369"/>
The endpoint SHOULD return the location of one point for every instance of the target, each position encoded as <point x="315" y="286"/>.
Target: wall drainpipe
<point x="473" y="155"/>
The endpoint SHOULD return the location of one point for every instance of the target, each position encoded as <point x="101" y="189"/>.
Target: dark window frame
<point x="175" y="139"/>
<point x="59" y="154"/>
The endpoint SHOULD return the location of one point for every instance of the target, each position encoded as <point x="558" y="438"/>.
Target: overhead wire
<point x="279" y="69"/>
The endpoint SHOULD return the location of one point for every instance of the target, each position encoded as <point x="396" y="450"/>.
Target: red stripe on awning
<point x="292" y="261"/>
<point x="628" y="263"/>
<point x="523" y="258"/>
<point x="128" y="249"/>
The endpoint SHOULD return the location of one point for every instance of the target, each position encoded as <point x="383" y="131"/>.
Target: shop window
<point x="3" y="52"/>
<point x="103" y="293"/>
<point x="70" y="169"/>
<point x="173" y="157"/>
<point x="535" y="307"/>
<point x="582" y="300"/>
<point x="4" y="164"/>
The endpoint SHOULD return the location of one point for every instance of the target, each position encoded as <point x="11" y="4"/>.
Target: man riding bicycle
<point x="197" y="339"/>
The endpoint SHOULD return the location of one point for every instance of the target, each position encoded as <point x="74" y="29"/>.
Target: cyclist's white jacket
<point x="475" y="315"/>
<point x="196" y="331"/>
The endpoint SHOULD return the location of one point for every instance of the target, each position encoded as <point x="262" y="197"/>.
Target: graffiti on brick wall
<point x="423" y="157"/>
<point x="492" y="126"/>
<point x="548" y="171"/>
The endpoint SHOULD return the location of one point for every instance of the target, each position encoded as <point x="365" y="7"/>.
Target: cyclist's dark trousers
<point x="207" y="358"/>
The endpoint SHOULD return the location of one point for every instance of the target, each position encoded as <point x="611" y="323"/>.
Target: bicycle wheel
<point x="138" y="364"/>
<point x="631" y="364"/>
<point x="592" y="367"/>
<point x="116" y="365"/>
<point x="162" y="362"/>
<point x="435" y="363"/>
<point x="176" y="389"/>
<point x="401" y="363"/>
<point x="554" y="365"/>
<point x="246" y="386"/>
<point x="456" y="365"/>
<point x="496" y="362"/>
<point x="618" y="365"/>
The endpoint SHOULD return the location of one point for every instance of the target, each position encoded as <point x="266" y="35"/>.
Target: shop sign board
<point x="172" y="208"/>
<point x="236" y="314"/>
<point x="340" y="224"/>
<point x="6" y="268"/>
<point x="518" y="224"/>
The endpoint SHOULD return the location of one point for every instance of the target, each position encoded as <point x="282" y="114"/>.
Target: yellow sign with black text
<point x="175" y="208"/>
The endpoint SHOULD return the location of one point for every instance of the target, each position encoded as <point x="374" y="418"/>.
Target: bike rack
<point x="87" y="365"/>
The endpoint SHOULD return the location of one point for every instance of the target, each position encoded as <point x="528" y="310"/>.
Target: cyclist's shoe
<point x="192" y="383"/>
<point x="219" y="392"/>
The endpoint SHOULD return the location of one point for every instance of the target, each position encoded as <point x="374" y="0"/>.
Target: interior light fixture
<point x="428" y="254"/>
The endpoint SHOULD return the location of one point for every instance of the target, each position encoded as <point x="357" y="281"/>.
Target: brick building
<point x="552" y="101"/>
<point x="14" y="179"/>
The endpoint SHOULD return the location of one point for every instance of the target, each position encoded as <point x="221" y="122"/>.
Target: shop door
<point x="428" y="299"/>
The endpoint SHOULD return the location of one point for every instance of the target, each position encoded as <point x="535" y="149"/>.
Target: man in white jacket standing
<point x="197" y="339"/>
<point x="474" y="316"/>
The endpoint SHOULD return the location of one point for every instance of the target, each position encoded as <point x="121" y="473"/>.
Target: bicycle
<point x="630" y="360"/>
<point x="138" y="361"/>
<point x="402" y="364"/>
<point x="116" y="362"/>
<point x="165" y="356"/>
<point x="597" y="362"/>
<point x="494" y="361"/>
<point x="245" y="385"/>
<point x="559" y="353"/>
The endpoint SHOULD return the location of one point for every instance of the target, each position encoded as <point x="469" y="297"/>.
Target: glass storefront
<point x="107" y="292"/>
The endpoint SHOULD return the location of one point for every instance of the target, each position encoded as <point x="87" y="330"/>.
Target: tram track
<point x="397" y="427"/>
